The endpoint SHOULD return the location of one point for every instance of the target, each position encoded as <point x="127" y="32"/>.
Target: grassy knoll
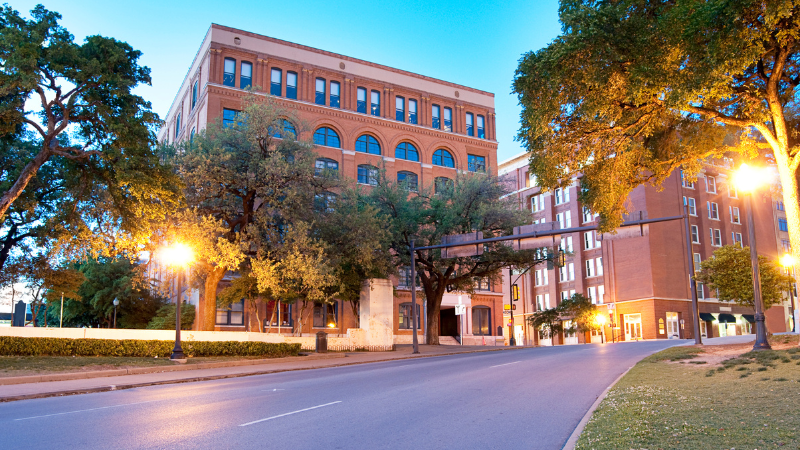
<point x="669" y="401"/>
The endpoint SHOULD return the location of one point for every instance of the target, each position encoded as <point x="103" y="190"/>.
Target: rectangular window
<point x="325" y="315"/>
<point x="684" y="183"/>
<point x="734" y="210"/>
<point x="405" y="319"/>
<point x="597" y="239"/>
<point x="589" y="268"/>
<point x="588" y="240"/>
<point x="400" y="109"/>
<point x="716" y="237"/>
<point x="481" y="321"/>
<point x="232" y="315"/>
<point x="448" y="119"/>
<point x="335" y="90"/>
<point x="537" y="203"/>
<point x="697" y="261"/>
<point x="412" y="112"/>
<point x="276" y="82"/>
<point x="194" y="94"/>
<point x="246" y="78"/>
<point x="481" y="133"/>
<point x="601" y="293"/>
<point x="732" y="193"/>
<point x="229" y="77"/>
<point x="691" y="205"/>
<point x="711" y="184"/>
<point x="779" y="205"/>
<point x="566" y="244"/>
<point x="361" y="100"/>
<point x="713" y="210"/>
<point x="564" y="220"/>
<point x="476" y="163"/>
<point x="483" y="284"/>
<point x="591" y="292"/>
<point x="561" y="195"/>
<point x="736" y="238"/>
<point x="273" y="312"/>
<point x="470" y="124"/>
<point x="695" y="235"/>
<point x="404" y="276"/>
<point x="700" y="291"/>
<point x="587" y="215"/>
<point x="435" y="116"/>
<point x="291" y="85"/>
<point x="539" y="303"/>
<point x="177" y="125"/>
<point x="319" y="98"/>
<point x="786" y="246"/>
<point x="375" y="103"/>
<point x="783" y="225"/>
<point x="229" y="117"/>
<point x="598" y="264"/>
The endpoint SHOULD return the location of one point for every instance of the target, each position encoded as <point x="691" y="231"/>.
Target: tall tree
<point x="634" y="89"/>
<point x="728" y="272"/>
<point x="472" y="203"/>
<point x="77" y="146"/>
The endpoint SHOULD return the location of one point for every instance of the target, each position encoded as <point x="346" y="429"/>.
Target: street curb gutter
<point x="573" y="438"/>
<point x="7" y="381"/>
<point x="117" y="387"/>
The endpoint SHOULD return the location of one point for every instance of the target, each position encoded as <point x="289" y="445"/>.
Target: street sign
<point x="461" y="310"/>
<point x="506" y="313"/>
<point x="462" y="250"/>
<point x="506" y="307"/>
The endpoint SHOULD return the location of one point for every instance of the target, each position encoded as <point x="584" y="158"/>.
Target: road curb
<point x="113" y="387"/>
<point x="573" y="438"/>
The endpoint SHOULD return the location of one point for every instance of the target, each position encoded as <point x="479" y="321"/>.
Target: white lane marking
<point x="289" y="413"/>
<point x="272" y="390"/>
<point x="85" y="410"/>
<point x="499" y="365"/>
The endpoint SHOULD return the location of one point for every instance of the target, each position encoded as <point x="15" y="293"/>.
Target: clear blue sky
<point x="476" y="44"/>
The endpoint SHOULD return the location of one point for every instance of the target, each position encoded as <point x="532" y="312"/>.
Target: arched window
<point x="324" y="201"/>
<point x="326" y="166"/>
<point x="327" y="137"/>
<point x="481" y="321"/>
<point x="194" y="94"/>
<point x="442" y="157"/>
<point x="405" y="317"/>
<point x="442" y="184"/>
<point x="410" y="179"/>
<point x="368" y="144"/>
<point x="368" y="174"/>
<point x="407" y="151"/>
<point x="286" y="129"/>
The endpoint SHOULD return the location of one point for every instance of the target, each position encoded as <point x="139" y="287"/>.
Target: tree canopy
<point x="633" y="89"/>
<point x="472" y="203"/>
<point x="79" y="169"/>
<point x="729" y="272"/>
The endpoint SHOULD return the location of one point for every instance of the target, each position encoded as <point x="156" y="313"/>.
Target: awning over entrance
<point x="707" y="317"/>
<point x="749" y="317"/>
<point x="729" y="318"/>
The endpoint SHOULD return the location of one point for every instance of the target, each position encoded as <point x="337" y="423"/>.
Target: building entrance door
<point x="673" y="326"/>
<point x="448" y="322"/>
<point x="570" y="334"/>
<point x="633" y="327"/>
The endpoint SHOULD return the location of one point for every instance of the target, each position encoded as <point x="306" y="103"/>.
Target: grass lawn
<point x="13" y="366"/>
<point x="677" y="400"/>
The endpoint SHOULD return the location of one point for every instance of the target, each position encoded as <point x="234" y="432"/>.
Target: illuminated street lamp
<point x="178" y="256"/>
<point x="747" y="180"/>
<point x="787" y="261"/>
<point x="600" y="318"/>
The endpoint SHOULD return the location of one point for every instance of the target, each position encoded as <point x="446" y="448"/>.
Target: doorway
<point x="673" y="326"/>
<point x="633" y="327"/>
<point x="448" y="322"/>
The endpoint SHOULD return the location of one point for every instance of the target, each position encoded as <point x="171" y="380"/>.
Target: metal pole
<point x="698" y="340"/>
<point x="414" y="317"/>
<point x="115" y="316"/>
<point x="177" y="352"/>
<point x="511" y="341"/>
<point x="61" y="317"/>
<point x="761" y="329"/>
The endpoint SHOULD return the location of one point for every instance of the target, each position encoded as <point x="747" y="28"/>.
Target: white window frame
<point x="601" y="292"/>
<point x="691" y="205"/>
<point x="711" y="184"/>
<point x="713" y="210"/>
<point x="734" y="212"/>
<point x="591" y="292"/>
<point x="590" y="268"/>
<point x="716" y="237"/>
<point x="695" y="233"/>
<point x="598" y="266"/>
<point x="697" y="259"/>
<point x="537" y="203"/>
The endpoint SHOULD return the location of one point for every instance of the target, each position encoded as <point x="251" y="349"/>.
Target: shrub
<point x="22" y="346"/>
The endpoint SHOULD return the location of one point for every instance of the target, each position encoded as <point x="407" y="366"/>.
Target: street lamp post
<point x="747" y="180"/>
<point x="178" y="256"/>
<point x="601" y="320"/>
<point x="116" y="303"/>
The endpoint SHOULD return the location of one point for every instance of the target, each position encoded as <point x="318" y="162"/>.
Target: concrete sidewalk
<point x="81" y="383"/>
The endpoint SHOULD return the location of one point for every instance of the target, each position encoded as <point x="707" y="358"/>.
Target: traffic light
<point x="514" y="292"/>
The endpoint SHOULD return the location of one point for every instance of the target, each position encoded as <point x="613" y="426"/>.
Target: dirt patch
<point x="713" y="355"/>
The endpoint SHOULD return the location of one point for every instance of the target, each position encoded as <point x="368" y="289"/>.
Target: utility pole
<point x="698" y="340"/>
<point x="61" y="316"/>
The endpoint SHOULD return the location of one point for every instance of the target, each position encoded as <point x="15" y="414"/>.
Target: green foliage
<point x="21" y="346"/>
<point x="729" y="272"/>
<point x="78" y="169"/>
<point x="92" y="304"/>
<point x="165" y="317"/>
<point x="475" y="202"/>
<point x="578" y="309"/>
<point x="634" y="89"/>
<point x="548" y="321"/>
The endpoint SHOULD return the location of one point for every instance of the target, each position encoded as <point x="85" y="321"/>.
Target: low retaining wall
<point x="353" y="341"/>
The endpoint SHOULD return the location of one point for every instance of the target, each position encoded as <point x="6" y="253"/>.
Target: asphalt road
<point x="527" y="398"/>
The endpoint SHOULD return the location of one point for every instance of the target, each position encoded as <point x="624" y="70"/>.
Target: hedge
<point x="38" y="346"/>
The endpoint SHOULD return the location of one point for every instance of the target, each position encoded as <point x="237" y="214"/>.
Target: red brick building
<point x="642" y="280"/>
<point x="361" y="116"/>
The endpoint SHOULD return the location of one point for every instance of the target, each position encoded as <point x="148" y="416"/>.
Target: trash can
<point x="322" y="342"/>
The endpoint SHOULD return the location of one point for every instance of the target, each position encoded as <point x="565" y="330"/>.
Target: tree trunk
<point x="272" y="317"/>
<point x="24" y="178"/>
<point x="213" y="278"/>
<point x="432" y="321"/>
